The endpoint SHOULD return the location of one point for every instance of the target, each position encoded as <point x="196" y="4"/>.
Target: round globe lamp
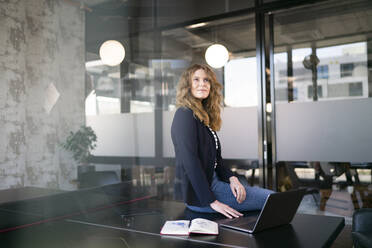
<point x="112" y="52"/>
<point x="216" y="55"/>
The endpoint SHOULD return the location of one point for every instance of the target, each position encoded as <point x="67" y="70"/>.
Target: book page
<point x="203" y="226"/>
<point x="176" y="227"/>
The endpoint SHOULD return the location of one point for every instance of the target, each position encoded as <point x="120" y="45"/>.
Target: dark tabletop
<point x="120" y="216"/>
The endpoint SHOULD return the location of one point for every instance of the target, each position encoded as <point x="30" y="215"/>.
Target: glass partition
<point x="323" y="105"/>
<point x="184" y="46"/>
<point x="341" y="73"/>
<point x="55" y="84"/>
<point x="171" y="12"/>
<point x="103" y="88"/>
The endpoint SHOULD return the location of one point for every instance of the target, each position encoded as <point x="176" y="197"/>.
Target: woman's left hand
<point x="237" y="189"/>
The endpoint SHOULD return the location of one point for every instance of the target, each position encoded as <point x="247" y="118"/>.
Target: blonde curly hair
<point x="208" y="110"/>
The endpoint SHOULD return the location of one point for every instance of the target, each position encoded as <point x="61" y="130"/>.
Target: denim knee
<point x="201" y="209"/>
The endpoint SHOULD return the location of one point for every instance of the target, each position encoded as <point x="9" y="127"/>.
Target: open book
<point x="184" y="227"/>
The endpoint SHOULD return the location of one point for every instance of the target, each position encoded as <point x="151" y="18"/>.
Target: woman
<point x="206" y="184"/>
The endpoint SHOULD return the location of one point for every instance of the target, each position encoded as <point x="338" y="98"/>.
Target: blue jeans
<point x="255" y="197"/>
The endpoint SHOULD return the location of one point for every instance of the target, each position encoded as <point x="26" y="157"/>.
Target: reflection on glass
<point x="184" y="46"/>
<point x="346" y="70"/>
<point x="319" y="143"/>
<point x="335" y="187"/>
<point x="341" y="73"/>
<point x="241" y="76"/>
<point x="102" y="88"/>
<point x="281" y="77"/>
<point x="139" y="88"/>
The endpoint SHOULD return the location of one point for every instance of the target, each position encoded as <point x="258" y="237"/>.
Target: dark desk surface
<point x="24" y="193"/>
<point x="102" y="218"/>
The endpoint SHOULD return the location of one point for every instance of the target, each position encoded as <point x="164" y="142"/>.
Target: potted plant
<point x="81" y="143"/>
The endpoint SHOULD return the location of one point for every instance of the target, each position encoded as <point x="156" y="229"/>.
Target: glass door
<point x="185" y="45"/>
<point x="321" y="93"/>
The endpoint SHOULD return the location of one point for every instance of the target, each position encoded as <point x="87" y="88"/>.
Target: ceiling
<point x="131" y="21"/>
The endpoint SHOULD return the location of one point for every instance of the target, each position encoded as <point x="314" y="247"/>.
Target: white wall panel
<point x="124" y="134"/>
<point x="238" y="135"/>
<point x="168" y="149"/>
<point x="325" y="131"/>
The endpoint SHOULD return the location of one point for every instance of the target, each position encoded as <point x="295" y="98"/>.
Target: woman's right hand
<point x="225" y="210"/>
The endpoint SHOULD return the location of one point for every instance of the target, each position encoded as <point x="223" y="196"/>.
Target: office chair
<point x="361" y="230"/>
<point x="312" y="186"/>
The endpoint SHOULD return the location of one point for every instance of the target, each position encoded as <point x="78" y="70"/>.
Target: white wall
<point x="42" y="44"/>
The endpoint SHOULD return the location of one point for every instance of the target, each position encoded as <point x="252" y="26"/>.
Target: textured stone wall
<point x="369" y="64"/>
<point x="41" y="43"/>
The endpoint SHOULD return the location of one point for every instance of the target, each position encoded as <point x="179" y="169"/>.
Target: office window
<point x="240" y="76"/>
<point x="102" y="88"/>
<point x="301" y="70"/>
<point x="310" y="91"/>
<point x="300" y="73"/>
<point x="337" y="90"/>
<point x="295" y="94"/>
<point x="322" y="72"/>
<point x="356" y="89"/>
<point x="347" y="69"/>
<point x="281" y="94"/>
<point x="283" y="73"/>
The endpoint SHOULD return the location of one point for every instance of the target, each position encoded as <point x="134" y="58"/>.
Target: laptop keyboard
<point x="240" y="221"/>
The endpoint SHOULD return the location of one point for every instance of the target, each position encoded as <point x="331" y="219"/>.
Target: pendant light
<point x="112" y="52"/>
<point x="216" y="55"/>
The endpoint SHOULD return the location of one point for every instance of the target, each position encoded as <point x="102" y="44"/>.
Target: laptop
<point x="279" y="209"/>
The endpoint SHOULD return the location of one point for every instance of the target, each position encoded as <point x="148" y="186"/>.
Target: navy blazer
<point x="196" y="153"/>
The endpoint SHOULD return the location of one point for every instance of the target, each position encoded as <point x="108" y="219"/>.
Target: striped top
<point x="215" y="139"/>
